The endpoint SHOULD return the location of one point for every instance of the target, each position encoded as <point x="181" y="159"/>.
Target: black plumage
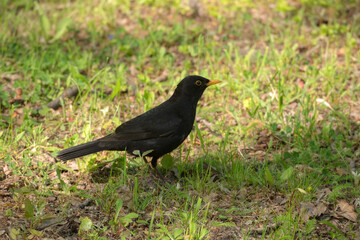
<point x="159" y="130"/>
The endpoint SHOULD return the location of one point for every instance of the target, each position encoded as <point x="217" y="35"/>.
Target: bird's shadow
<point x="203" y="168"/>
<point x="115" y="168"/>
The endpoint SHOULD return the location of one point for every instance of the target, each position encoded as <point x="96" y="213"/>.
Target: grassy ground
<point x="274" y="153"/>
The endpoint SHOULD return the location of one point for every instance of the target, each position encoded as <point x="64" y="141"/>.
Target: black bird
<point x="159" y="130"/>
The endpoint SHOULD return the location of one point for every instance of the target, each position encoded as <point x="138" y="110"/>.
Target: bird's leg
<point x="145" y="160"/>
<point x="154" y="164"/>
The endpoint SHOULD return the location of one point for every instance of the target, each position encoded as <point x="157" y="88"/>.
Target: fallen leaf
<point x="341" y="52"/>
<point x="347" y="211"/>
<point x="305" y="168"/>
<point x="18" y="93"/>
<point x="19" y="115"/>
<point x="162" y="77"/>
<point x="309" y="210"/>
<point x="302" y="190"/>
<point x="73" y="165"/>
<point x="322" y="101"/>
<point x="323" y="193"/>
<point x="10" y="77"/>
<point x="301" y="83"/>
<point x="341" y="171"/>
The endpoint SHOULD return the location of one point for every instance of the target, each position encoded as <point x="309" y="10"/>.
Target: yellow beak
<point x="212" y="82"/>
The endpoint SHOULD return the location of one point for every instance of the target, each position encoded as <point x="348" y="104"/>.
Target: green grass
<point x="279" y="133"/>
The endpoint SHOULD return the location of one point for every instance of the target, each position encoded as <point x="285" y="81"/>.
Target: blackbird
<point x="155" y="132"/>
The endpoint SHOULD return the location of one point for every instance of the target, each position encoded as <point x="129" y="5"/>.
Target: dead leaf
<point x="132" y="80"/>
<point x="18" y="115"/>
<point x="18" y="93"/>
<point x="305" y="168"/>
<point x="262" y="146"/>
<point x="301" y="83"/>
<point x="18" y="98"/>
<point x="10" y="77"/>
<point x="347" y="211"/>
<point x="197" y="7"/>
<point x="163" y="76"/>
<point x="49" y="221"/>
<point x="257" y="154"/>
<point x="213" y="197"/>
<point x="133" y="70"/>
<point x="322" y="194"/>
<point x="309" y="210"/>
<point x="301" y="190"/>
<point x="352" y="165"/>
<point x="341" y="52"/>
<point x="341" y="171"/>
<point x="279" y="200"/>
<point x="73" y="166"/>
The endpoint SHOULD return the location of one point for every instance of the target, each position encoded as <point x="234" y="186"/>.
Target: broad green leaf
<point x="131" y="215"/>
<point x="61" y="28"/>
<point x="136" y="153"/>
<point x="288" y="129"/>
<point x="147" y="152"/>
<point x="287" y="174"/>
<point x="35" y="232"/>
<point x="118" y="206"/>
<point x="14" y="233"/>
<point x="177" y="232"/>
<point x="29" y="209"/>
<point x="19" y="136"/>
<point x="85" y="224"/>
<point x="127" y="219"/>
<point x="167" y="161"/>
<point x="268" y="176"/>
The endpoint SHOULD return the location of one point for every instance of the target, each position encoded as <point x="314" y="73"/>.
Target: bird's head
<point x="193" y="86"/>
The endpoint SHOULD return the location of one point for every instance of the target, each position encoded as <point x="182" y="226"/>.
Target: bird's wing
<point x="149" y="125"/>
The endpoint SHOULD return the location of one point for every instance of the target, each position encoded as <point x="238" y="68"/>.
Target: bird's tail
<point x="80" y="150"/>
<point x="109" y="142"/>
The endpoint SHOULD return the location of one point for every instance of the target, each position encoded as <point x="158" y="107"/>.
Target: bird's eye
<point x="198" y="83"/>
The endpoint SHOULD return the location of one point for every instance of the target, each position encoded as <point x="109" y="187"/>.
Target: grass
<point x="274" y="152"/>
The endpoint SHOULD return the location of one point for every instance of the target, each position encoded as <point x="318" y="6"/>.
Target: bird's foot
<point x="158" y="173"/>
